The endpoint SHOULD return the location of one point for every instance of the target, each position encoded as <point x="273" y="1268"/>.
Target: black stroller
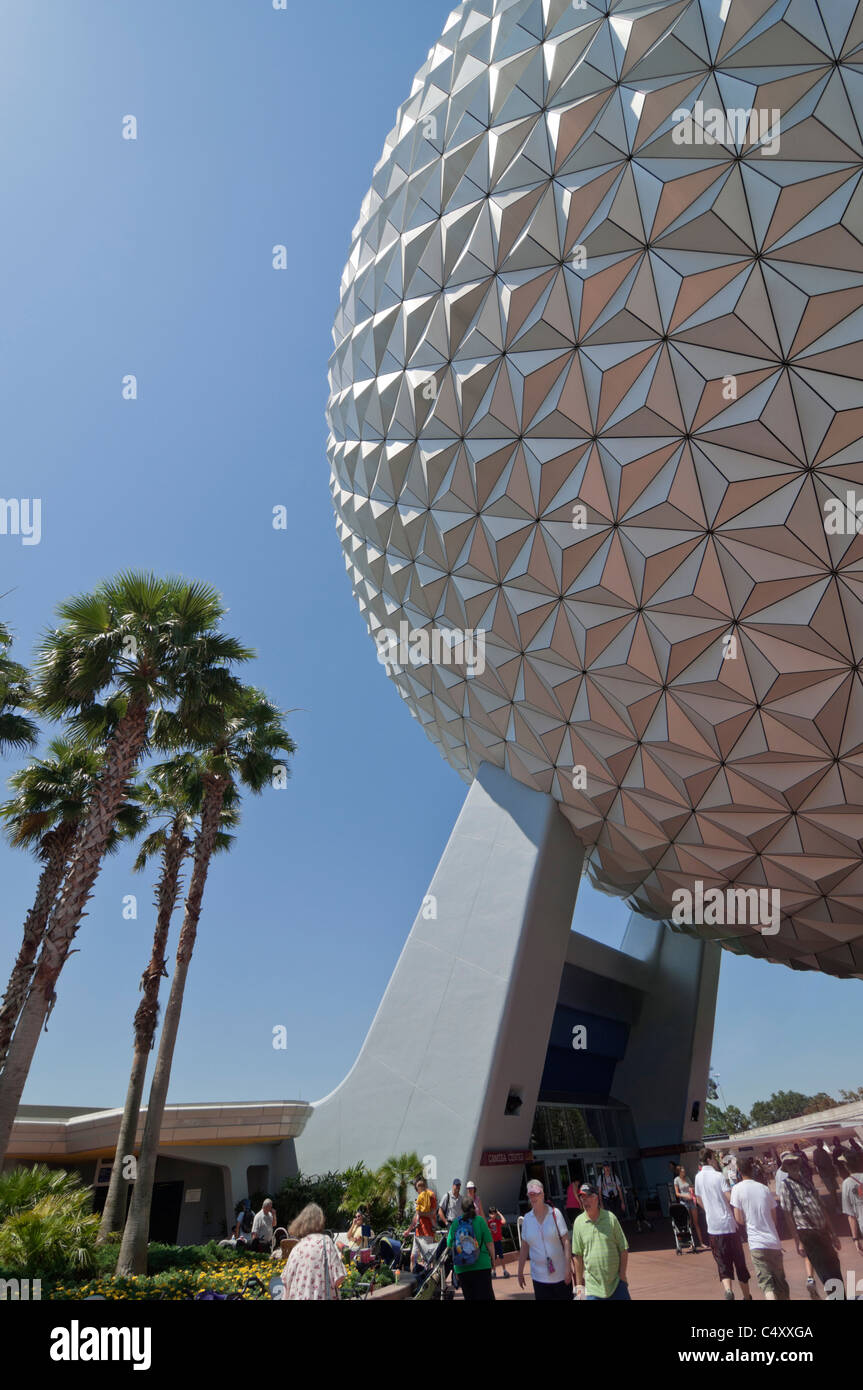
<point x="682" y="1228"/>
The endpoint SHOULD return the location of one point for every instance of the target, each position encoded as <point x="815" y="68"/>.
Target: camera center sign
<point x="500" y="1158"/>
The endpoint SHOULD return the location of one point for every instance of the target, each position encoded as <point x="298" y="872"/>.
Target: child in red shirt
<point x="495" y="1225"/>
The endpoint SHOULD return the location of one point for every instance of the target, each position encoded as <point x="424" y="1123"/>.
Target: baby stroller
<point x="387" y="1249"/>
<point x="432" y="1277"/>
<point x="680" y="1225"/>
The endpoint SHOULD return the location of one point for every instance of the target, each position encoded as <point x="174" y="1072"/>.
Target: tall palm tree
<point x="16" y="730"/>
<point x="251" y="744"/>
<point x="45" y="815"/>
<point x="171" y="799"/>
<point x="150" y="642"/>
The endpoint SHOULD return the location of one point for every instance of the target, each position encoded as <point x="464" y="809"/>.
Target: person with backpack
<point x="545" y="1237"/>
<point x="470" y="1242"/>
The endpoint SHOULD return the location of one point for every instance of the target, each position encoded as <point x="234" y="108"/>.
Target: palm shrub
<point x="56" y="1236"/>
<point x="365" y="1187"/>
<point x="395" y="1176"/>
<point x="21" y="1188"/>
<point x="47" y="1226"/>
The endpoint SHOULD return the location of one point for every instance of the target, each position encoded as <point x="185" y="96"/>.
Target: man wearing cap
<point x="600" y="1251"/>
<point x="450" y="1204"/>
<point x="814" y="1236"/>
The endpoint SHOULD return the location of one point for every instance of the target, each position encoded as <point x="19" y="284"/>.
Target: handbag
<point x="327" y="1284"/>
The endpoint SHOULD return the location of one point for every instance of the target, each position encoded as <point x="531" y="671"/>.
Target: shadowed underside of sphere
<point x="596" y="395"/>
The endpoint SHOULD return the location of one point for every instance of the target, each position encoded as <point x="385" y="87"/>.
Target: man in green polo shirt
<point x="599" y="1249"/>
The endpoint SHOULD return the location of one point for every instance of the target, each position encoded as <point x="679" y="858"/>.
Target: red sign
<point x="496" y="1158"/>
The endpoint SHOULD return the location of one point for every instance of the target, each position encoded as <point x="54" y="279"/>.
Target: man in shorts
<point x="712" y="1192"/>
<point x="753" y="1205"/>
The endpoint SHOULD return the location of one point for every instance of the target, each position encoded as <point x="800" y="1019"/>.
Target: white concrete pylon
<point x="466" y="1017"/>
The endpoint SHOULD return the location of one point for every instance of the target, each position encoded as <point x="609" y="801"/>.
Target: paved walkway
<point x="657" y="1274"/>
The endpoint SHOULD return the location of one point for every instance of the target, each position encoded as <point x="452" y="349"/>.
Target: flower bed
<point x="174" y="1285"/>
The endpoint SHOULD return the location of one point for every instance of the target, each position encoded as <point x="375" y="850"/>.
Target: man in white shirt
<point x="263" y="1226"/>
<point x="712" y="1192"/>
<point x="754" y="1205"/>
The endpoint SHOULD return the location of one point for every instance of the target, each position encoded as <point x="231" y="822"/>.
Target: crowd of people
<point x="733" y="1201"/>
<point x="586" y="1258"/>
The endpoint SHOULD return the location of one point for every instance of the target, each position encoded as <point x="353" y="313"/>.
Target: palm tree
<point x="251" y="744"/>
<point x="150" y="642"/>
<point x="16" y="730"/>
<point x="395" y="1176"/>
<point x="171" y="800"/>
<point x="45" y="816"/>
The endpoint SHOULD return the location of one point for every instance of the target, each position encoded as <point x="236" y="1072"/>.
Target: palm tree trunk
<point x="146" y="1017"/>
<point x="56" y="853"/>
<point x="133" y="1251"/>
<point x="123" y="752"/>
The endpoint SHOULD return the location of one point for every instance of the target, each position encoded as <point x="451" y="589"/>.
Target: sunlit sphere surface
<point x="596" y="398"/>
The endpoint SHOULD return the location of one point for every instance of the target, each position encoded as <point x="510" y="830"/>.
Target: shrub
<point x="21" y="1188"/>
<point x="327" y="1189"/>
<point x="54" y="1236"/>
<point x="371" y="1190"/>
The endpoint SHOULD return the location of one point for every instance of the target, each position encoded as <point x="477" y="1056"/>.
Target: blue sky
<point x="154" y="257"/>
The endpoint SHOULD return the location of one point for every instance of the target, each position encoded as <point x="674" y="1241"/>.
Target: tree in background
<point x="327" y="1190"/>
<point x="782" y="1105"/>
<point x="731" y="1120"/>
<point x="821" y="1101"/>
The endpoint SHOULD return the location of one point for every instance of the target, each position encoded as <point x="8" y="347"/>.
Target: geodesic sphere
<point x="596" y="399"/>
